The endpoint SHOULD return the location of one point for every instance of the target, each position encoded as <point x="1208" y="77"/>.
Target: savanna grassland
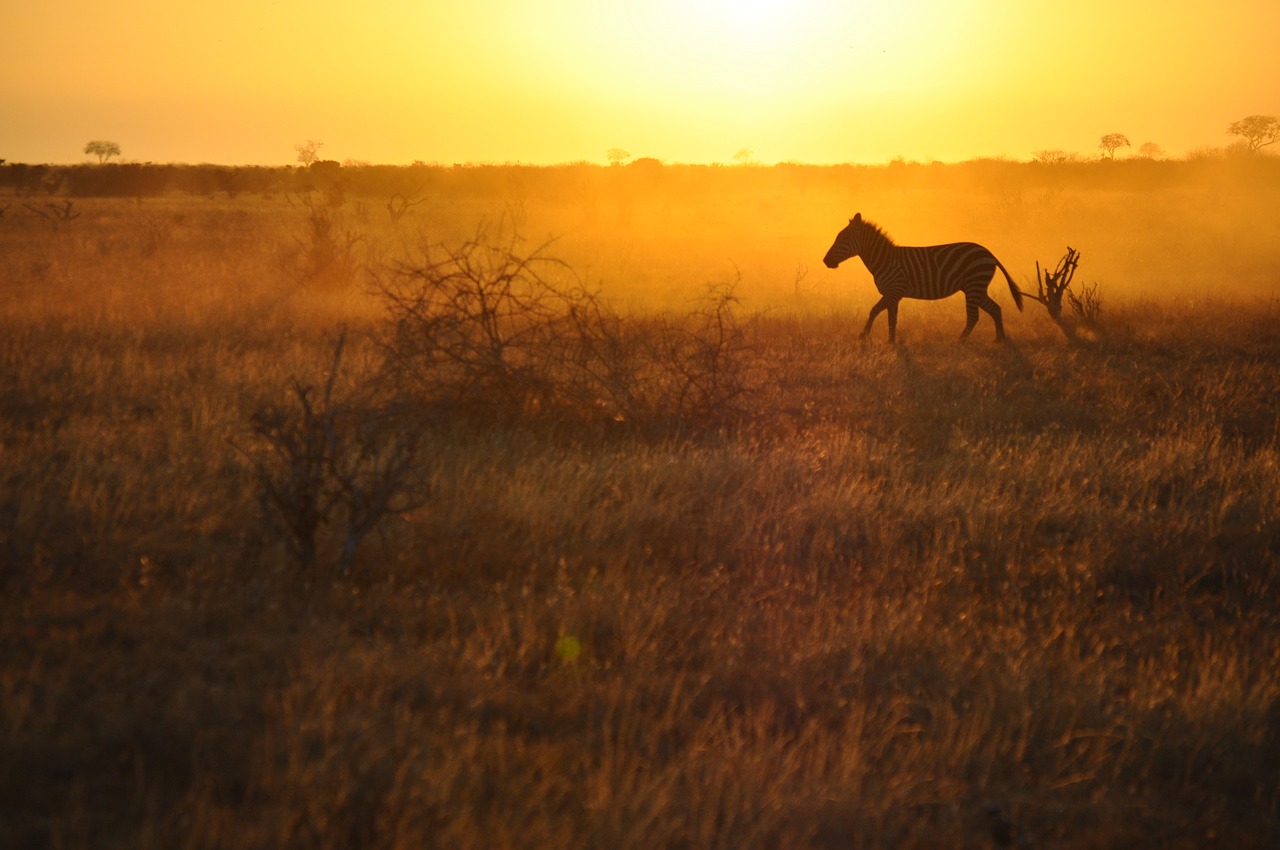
<point x="679" y="561"/>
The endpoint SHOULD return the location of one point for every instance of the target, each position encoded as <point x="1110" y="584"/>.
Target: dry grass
<point x="911" y="593"/>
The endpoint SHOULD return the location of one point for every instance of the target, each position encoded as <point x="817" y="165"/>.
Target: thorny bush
<point x="493" y="327"/>
<point x="326" y="254"/>
<point x="341" y="460"/>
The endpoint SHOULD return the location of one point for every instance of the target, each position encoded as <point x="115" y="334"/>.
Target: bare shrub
<point x="478" y="324"/>
<point x="1087" y="305"/>
<point x="689" y="368"/>
<point x="333" y="460"/>
<point x="491" y="326"/>
<point x="326" y="254"/>
<point x="699" y="361"/>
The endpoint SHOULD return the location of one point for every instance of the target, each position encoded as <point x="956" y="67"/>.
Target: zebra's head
<point x="848" y="243"/>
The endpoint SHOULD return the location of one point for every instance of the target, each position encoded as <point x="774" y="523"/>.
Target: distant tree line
<point x="334" y="182"/>
<point x="138" y="179"/>
<point x="1256" y="132"/>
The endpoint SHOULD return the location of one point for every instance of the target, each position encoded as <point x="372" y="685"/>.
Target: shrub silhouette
<point x="333" y="459"/>
<point x="494" y="327"/>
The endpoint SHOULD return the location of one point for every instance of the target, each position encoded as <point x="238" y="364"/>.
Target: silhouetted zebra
<point x="932" y="272"/>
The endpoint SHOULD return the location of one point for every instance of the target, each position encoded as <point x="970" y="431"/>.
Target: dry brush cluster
<point x="490" y="325"/>
<point x="487" y="331"/>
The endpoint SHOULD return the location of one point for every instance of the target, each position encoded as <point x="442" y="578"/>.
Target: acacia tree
<point x="309" y="151"/>
<point x="1258" y="130"/>
<point x="102" y="150"/>
<point x="617" y="156"/>
<point x="1111" y="141"/>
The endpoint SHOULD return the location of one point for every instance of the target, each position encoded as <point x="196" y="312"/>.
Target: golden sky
<point x="553" y="81"/>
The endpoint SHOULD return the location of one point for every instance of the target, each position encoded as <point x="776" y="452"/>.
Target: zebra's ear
<point x="857" y="218"/>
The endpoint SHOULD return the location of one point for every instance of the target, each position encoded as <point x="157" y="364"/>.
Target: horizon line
<point x="1070" y="158"/>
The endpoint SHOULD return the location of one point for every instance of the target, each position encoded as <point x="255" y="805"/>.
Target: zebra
<point x="932" y="272"/>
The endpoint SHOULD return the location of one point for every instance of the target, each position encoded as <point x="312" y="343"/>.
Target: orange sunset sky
<point x="554" y="81"/>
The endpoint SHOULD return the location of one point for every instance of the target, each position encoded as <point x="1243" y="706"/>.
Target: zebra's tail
<point x="1013" y="287"/>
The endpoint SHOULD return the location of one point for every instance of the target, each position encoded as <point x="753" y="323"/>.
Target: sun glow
<point x="671" y="51"/>
<point x="737" y="74"/>
<point x="768" y="53"/>
<point x="682" y="80"/>
<point x="751" y="21"/>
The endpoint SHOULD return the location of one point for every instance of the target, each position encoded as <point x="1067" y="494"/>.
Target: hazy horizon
<point x="1084" y="158"/>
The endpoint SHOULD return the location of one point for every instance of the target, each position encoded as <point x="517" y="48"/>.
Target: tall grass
<point x="908" y="597"/>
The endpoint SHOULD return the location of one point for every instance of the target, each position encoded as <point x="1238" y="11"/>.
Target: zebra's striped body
<point x="932" y="272"/>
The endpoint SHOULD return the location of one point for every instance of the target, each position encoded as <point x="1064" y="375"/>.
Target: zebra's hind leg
<point x="975" y="300"/>
<point x="971" y="301"/>
<point x="993" y="309"/>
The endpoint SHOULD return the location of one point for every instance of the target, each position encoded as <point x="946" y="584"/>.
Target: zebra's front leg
<point x="885" y="303"/>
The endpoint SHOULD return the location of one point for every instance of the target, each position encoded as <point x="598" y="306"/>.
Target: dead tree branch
<point x="1053" y="286"/>
<point x="54" y="213"/>
<point x="398" y="204"/>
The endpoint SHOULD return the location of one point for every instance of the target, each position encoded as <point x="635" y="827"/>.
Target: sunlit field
<point x="672" y="557"/>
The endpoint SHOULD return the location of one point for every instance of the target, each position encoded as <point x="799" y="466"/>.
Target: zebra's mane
<point x="874" y="231"/>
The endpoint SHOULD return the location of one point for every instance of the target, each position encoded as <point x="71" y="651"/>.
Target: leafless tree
<point x="1052" y="287"/>
<point x="308" y="151"/>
